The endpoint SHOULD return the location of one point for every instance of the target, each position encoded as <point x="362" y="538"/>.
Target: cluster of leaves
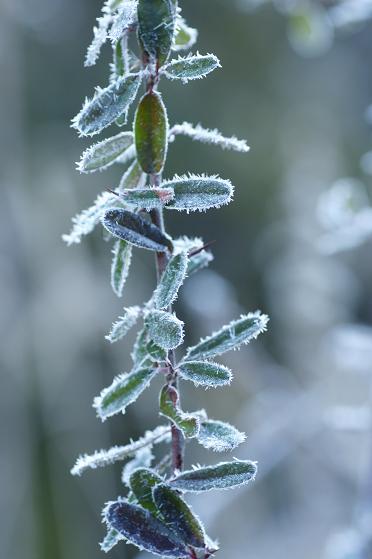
<point x="154" y="515"/>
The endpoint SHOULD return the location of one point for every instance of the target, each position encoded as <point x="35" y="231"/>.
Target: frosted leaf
<point x="165" y="329"/>
<point x="156" y="24"/>
<point x="151" y="133"/>
<point x="146" y="351"/>
<point x="219" y="436"/>
<point x="100" y="33"/>
<point x="133" y="177"/>
<point x="111" y="539"/>
<point x="86" y="221"/>
<point x="144" y="531"/>
<point x="103" y="154"/>
<point x="205" y="373"/>
<point x="208" y="136"/>
<point x="134" y="229"/>
<point x="185" y="37"/>
<point x="197" y="261"/>
<point x="126" y="16"/>
<point x="191" y="68"/>
<point x="141" y="482"/>
<point x="170" y="408"/>
<point x="124" y="390"/>
<point x="106" y="105"/>
<point x="171" y="281"/>
<point x="122" y="258"/>
<point x="102" y="458"/>
<point x="222" y="476"/>
<point x="232" y="336"/>
<point x="142" y="459"/>
<point x="124" y="324"/>
<point x="179" y="516"/>
<point x="146" y="198"/>
<point x="198" y="192"/>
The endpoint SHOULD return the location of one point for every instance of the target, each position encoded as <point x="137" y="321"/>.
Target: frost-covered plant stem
<point x="154" y="516"/>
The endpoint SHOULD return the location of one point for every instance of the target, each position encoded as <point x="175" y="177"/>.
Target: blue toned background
<point x="293" y="244"/>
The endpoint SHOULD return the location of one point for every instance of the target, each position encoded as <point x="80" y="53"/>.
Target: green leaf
<point x="179" y="516"/>
<point x="107" y="105"/>
<point x="170" y="408"/>
<point x="124" y="390"/>
<point x="219" y="436"/>
<point x="141" y="482"/>
<point x="156" y="22"/>
<point x="194" y="192"/>
<point x="147" y="198"/>
<point x="132" y="178"/>
<point x="142" y="459"/>
<point x="120" y="267"/>
<point x="105" y="153"/>
<point x="111" y="539"/>
<point x="232" y="336"/>
<point x="185" y="36"/>
<point x="124" y="324"/>
<point x="222" y="476"/>
<point x="197" y="261"/>
<point x="102" y="458"/>
<point x="165" y="329"/>
<point x="132" y="228"/>
<point x="191" y="67"/>
<point x="205" y="373"/>
<point x="143" y="530"/>
<point x="151" y="133"/>
<point x="171" y="281"/>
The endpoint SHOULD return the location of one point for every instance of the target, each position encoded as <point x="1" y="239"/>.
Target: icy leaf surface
<point x="232" y="336"/>
<point x="103" y="154"/>
<point x="205" y="373"/>
<point x="171" y="281"/>
<point x="124" y="324"/>
<point x="199" y="192"/>
<point x="191" y="68"/>
<point x="222" y="476"/>
<point x="122" y="258"/>
<point x="165" y="329"/>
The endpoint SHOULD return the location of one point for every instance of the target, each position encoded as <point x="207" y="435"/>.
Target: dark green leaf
<point x="178" y="516"/>
<point x="132" y="228"/>
<point x="140" y="528"/>
<point x="156" y="21"/>
<point x="151" y="133"/>
<point x="141" y="482"/>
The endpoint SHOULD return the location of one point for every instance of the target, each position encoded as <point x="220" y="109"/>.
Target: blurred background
<point x="295" y="243"/>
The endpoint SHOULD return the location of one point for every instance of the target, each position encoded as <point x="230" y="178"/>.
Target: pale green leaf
<point x="165" y="329"/>
<point x="124" y="390"/>
<point x="198" y="192"/>
<point x="225" y="475"/>
<point x="103" y="154"/>
<point x="124" y="324"/>
<point x="122" y="258"/>
<point x="205" y="373"/>
<point x="171" y="281"/>
<point x="219" y="436"/>
<point x="146" y="198"/>
<point x="191" y="68"/>
<point x="134" y="177"/>
<point x="232" y="336"/>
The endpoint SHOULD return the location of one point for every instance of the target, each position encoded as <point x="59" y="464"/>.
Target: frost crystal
<point x="111" y="539"/>
<point x="219" y="436"/>
<point x="225" y="475"/>
<point x="125" y="17"/>
<point x="103" y="458"/>
<point x="99" y="38"/>
<point x="208" y="136"/>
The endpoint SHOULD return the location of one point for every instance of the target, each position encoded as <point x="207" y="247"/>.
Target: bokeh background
<point x="302" y="391"/>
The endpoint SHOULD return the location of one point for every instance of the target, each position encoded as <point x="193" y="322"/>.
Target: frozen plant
<point x="153" y="513"/>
